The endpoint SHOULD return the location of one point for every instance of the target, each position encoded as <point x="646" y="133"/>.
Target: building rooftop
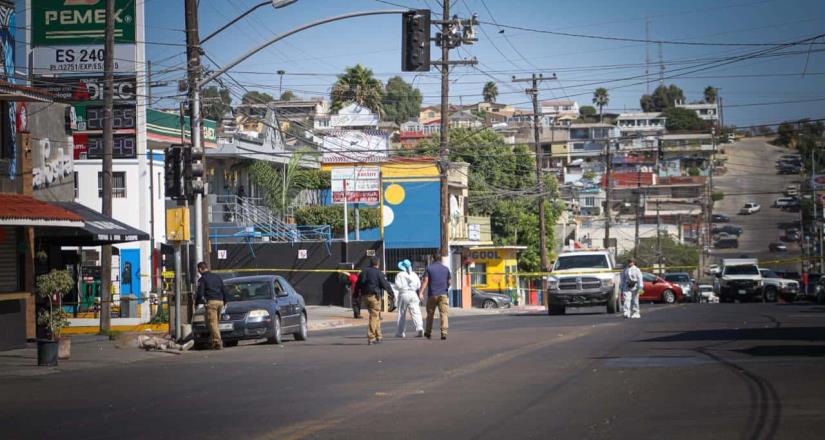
<point x="675" y="136"/>
<point x="639" y="115"/>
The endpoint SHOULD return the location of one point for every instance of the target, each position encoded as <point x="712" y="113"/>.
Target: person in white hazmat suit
<point x="632" y="283"/>
<point x="408" y="284"/>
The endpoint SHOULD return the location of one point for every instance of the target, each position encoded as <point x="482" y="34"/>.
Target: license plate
<point x="742" y="291"/>
<point x="226" y="326"/>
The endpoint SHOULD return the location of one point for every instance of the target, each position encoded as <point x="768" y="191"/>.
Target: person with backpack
<point x="408" y="284"/>
<point x="631" y="285"/>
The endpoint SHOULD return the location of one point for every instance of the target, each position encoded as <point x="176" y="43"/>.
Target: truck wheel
<point x="770" y="294"/>
<point x="555" y="310"/>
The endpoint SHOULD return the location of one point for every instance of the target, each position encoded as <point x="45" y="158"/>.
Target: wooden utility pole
<point x="638" y="206"/>
<point x="607" y="192"/>
<point x="108" y="102"/>
<point x="533" y="91"/>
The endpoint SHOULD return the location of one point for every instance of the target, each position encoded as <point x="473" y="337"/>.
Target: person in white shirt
<point x="632" y="284"/>
<point x="408" y="284"/>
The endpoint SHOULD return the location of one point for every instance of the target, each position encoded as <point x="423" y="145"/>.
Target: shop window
<point x="478" y="274"/>
<point x="118" y="184"/>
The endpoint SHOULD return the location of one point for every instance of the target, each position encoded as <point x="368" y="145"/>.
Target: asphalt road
<point x="726" y="371"/>
<point x="752" y="177"/>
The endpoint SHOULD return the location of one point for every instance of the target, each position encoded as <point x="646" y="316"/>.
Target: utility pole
<point x="449" y="38"/>
<point x="533" y="91"/>
<point x="638" y="206"/>
<point x="607" y="201"/>
<point x="193" y="56"/>
<point x="108" y="137"/>
<point x="658" y="237"/>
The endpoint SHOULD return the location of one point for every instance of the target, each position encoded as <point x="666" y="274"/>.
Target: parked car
<point x="789" y="169"/>
<point x="712" y="269"/>
<point x="774" y="286"/>
<point x="258" y="307"/>
<point x="778" y="247"/>
<point x="706" y="294"/>
<point x="726" y="242"/>
<point x="683" y="280"/>
<point x="784" y="201"/>
<point x="750" y="208"/>
<point x="720" y="218"/>
<point x="791" y="235"/>
<point x="792" y="190"/>
<point x="659" y="290"/>
<point x="727" y="229"/>
<point x="793" y="206"/>
<point x="491" y="300"/>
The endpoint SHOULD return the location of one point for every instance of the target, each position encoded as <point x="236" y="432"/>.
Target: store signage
<point x="53" y="60"/>
<point x="360" y="184"/>
<point x="87" y="88"/>
<point x="68" y="22"/>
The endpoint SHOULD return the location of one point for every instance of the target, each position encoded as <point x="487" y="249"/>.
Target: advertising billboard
<point x="356" y="184"/>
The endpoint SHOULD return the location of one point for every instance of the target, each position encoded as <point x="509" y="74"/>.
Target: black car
<point x="785" y="169"/>
<point x="258" y="307"/>
<point x="727" y="229"/>
<point x="726" y="243"/>
<point x="490" y="300"/>
<point x="791" y="235"/>
<point x="720" y="218"/>
<point x="778" y="247"/>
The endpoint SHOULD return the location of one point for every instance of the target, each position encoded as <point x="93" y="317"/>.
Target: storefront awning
<point x="18" y="93"/>
<point x="97" y="229"/>
<point x="21" y="210"/>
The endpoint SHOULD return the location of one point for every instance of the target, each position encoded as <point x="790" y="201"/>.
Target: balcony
<point x="470" y="230"/>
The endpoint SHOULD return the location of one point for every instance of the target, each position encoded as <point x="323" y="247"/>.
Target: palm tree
<point x="490" y="92"/>
<point x="710" y="94"/>
<point x="601" y="99"/>
<point x="358" y="85"/>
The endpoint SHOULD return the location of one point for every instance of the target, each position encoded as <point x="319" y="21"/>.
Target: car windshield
<point x="582" y="262"/>
<point x="742" y="270"/>
<point x="248" y="291"/>
<point x="677" y="278"/>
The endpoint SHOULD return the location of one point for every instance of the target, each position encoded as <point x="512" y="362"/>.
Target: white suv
<point x="750" y="208"/>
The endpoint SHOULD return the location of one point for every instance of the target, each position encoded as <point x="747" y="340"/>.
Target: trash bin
<point x="128" y="306"/>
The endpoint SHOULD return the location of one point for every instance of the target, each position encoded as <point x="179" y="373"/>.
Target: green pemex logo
<point x="81" y="22"/>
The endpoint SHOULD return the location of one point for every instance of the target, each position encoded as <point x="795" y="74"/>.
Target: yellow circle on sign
<point x="394" y="194"/>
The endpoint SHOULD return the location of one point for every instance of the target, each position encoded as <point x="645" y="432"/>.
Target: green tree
<point x="490" y="91"/>
<point x="281" y="183"/>
<point x="333" y="215"/>
<point x="357" y="85"/>
<point x="785" y="134"/>
<point x="401" y="101"/>
<point x="673" y="254"/>
<point x="587" y="111"/>
<point x="662" y="98"/>
<point x="682" y="119"/>
<point x="256" y="97"/>
<point x="216" y="103"/>
<point x="601" y="99"/>
<point x="710" y="94"/>
<point x="289" y="96"/>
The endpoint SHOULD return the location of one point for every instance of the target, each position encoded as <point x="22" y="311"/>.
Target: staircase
<point x="243" y="220"/>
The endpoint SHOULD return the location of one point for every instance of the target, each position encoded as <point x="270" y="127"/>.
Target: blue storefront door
<point x="130" y="272"/>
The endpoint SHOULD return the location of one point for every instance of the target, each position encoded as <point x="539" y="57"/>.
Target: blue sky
<point x="312" y="58"/>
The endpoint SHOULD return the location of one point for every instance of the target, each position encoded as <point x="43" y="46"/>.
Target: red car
<point x="659" y="290"/>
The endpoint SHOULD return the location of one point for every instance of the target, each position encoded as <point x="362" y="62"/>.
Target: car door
<point x="284" y="306"/>
<point x="294" y="302"/>
<point x="651" y="289"/>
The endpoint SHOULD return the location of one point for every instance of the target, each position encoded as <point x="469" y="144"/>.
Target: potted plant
<point x="52" y="286"/>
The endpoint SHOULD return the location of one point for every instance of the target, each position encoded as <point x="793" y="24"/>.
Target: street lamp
<point x="277" y="4"/>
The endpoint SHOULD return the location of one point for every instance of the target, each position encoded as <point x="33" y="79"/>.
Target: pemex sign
<point x="79" y="22"/>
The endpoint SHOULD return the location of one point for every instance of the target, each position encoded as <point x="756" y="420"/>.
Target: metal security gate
<point x="9" y="260"/>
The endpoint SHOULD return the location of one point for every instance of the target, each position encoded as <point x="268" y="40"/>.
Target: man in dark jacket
<point x="371" y="284"/>
<point x="212" y="293"/>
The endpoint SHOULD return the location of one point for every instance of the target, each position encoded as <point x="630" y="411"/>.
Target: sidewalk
<point x="95" y="351"/>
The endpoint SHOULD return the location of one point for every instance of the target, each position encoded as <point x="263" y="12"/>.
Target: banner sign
<point x="75" y="22"/>
<point x="87" y="88"/>
<point x="356" y="184"/>
<point x="52" y="60"/>
<point x="818" y="182"/>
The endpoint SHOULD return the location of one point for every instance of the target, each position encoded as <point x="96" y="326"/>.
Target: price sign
<point x="123" y="117"/>
<point x="123" y="147"/>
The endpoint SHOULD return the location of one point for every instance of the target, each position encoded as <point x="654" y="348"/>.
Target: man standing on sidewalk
<point x="212" y="293"/>
<point x="437" y="281"/>
<point x="372" y="284"/>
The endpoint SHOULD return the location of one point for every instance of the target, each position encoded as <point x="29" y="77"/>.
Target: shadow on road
<point x="811" y="334"/>
<point x="785" y="350"/>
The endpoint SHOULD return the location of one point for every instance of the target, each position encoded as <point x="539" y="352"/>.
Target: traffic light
<point x="415" y="41"/>
<point x="173" y="173"/>
<point x="192" y="171"/>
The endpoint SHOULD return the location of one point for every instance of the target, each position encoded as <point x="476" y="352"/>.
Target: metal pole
<point x="658" y="237"/>
<point x="346" y="215"/>
<point x="193" y="72"/>
<point x="638" y="206"/>
<point x="178" y="290"/>
<point x="108" y="137"/>
<point x="607" y="193"/>
<point x="444" y="149"/>
<point x="539" y="180"/>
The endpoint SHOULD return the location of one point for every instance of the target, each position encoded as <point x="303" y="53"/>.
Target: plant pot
<point x="47" y="353"/>
<point x="64" y="347"/>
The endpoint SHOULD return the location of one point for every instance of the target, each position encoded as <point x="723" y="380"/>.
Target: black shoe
<point x="427" y="335"/>
<point x="443" y="337"/>
<point x="377" y="341"/>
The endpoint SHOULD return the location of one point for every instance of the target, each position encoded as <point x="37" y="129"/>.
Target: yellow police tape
<point x="520" y="274"/>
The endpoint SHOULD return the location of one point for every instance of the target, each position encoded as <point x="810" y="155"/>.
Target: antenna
<point x="647" y="54"/>
<point x="661" y="66"/>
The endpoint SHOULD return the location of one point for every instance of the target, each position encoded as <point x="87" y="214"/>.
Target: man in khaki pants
<point x="211" y="292"/>
<point x="437" y="281"/>
<point x="372" y="283"/>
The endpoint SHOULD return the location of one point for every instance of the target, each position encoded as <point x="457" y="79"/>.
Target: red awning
<point x="20" y="210"/>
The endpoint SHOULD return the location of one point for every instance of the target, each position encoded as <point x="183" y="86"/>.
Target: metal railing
<point x="246" y="219"/>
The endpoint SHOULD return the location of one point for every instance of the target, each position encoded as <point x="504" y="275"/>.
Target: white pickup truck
<point x="774" y="286"/>
<point x="583" y="279"/>
<point x="738" y="279"/>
